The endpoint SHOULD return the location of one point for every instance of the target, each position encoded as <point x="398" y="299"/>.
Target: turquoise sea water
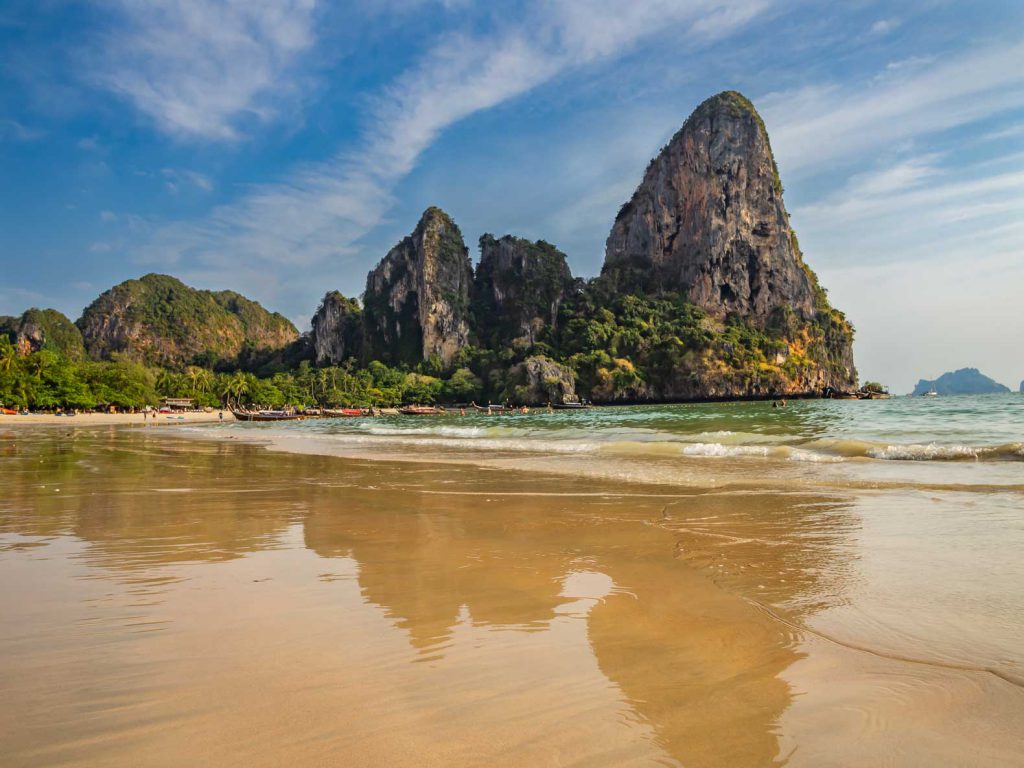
<point x="906" y="442"/>
<point x="965" y="428"/>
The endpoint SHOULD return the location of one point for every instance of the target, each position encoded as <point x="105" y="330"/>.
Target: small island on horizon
<point x="965" y="381"/>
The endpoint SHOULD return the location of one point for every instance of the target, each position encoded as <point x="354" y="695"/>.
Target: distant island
<point x="704" y="294"/>
<point x="966" y="381"/>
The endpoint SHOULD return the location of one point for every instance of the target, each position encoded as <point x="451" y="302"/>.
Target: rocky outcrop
<point x="966" y="381"/>
<point x="708" y="221"/>
<point x="38" y="329"/>
<point x="416" y="304"/>
<point x="538" y="381"/>
<point x="337" y="329"/>
<point x="518" y="288"/>
<point x="157" y="319"/>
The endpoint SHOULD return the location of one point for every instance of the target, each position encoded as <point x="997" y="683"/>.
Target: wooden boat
<point x="838" y="394"/>
<point x="266" y="415"/>
<point x="421" y="410"/>
<point x="575" y="406"/>
<point x="493" y="408"/>
<point x="348" y="413"/>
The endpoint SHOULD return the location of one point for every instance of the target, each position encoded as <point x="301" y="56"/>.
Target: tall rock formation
<point x="416" y="303"/>
<point x="337" y="329"/>
<point x="38" y="329"/>
<point x="159" y="320"/>
<point x="708" y="221"/>
<point x="518" y="289"/>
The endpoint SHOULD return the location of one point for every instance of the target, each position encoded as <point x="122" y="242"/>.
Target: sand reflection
<point x="309" y="609"/>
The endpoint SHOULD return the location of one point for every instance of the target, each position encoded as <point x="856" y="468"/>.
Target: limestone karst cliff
<point x="158" y="319"/>
<point x="708" y="221"/>
<point x="38" y="329"/>
<point x="518" y="289"/>
<point x="416" y="304"/>
<point x="337" y="329"/>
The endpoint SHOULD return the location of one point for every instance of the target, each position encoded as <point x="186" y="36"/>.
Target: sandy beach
<point x="211" y="602"/>
<point x="113" y="419"/>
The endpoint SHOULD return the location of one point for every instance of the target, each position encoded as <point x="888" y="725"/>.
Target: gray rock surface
<point x="518" y="288"/>
<point x="416" y="303"/>
<point x="708" y="219"/>
<point x="337" y="329"/>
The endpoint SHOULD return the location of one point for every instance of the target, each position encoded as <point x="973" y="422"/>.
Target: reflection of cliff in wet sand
<point x="424" y="557"/>
<point x="691" y="658"/>
<point x="475" y="619"/>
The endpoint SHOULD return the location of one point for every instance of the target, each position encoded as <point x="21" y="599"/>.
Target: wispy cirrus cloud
<point x="322" y="209"/>
<point x="884" y="26"/>
<point x="824" y="123"/>
<point x="176" y="178"/>
<point x="200" y="68"/>
<point x="12" y="130"/>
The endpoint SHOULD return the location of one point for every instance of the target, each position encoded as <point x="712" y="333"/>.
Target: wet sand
<point x="177" y="602"/>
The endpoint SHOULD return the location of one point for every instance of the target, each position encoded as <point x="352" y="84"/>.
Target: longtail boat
<point x="266" y="415"/>
<point x="335" y="413"/>
<point x="572" y="406"/>
<point x="421" y="410"/>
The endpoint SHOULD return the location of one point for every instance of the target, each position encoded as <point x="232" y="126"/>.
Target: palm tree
<point x="8" y="355"/>
<point x="167" y="382"/>
<point x="237" y="385"/>
<point x="199" y="379"/>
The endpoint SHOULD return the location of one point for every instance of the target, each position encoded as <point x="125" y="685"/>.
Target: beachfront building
<point x="178" y="403"/>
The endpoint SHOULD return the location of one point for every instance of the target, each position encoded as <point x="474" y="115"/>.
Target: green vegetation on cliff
<point x="157" y="319"/>
<point x="48" y="329"/>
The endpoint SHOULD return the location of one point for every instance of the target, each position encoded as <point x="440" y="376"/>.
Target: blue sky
<point x="280" y="147"/>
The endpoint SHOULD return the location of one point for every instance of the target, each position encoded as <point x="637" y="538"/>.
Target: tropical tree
<point x="200" y="379"/>
<point x="236" y="386"/>
<point x="8" y="354"/>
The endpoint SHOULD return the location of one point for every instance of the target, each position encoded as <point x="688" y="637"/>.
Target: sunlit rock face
<point x="337" y="329"/>
<point x="708" y="219"/>
<point x="416" y="304"/>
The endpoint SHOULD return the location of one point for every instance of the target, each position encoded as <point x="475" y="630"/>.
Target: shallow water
<point x="175" y="601"/>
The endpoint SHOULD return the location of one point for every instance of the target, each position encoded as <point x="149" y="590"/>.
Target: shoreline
<point x="112" y="419"/>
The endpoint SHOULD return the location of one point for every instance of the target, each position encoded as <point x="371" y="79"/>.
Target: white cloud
<point x="924" y="256"/>
<point x="12" y="130"/>
<point x="320" y="210"/>
<point x="816" y="125"/>
<point x="919" y="195"/>
<point x="198" y="68"/>
<point x="174" y="178"/>
<point x="884" y="26"/>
